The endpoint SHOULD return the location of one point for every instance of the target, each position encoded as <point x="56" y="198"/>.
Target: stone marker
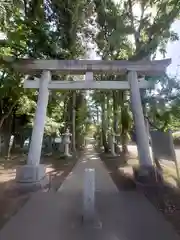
<point x="89" y="195"/>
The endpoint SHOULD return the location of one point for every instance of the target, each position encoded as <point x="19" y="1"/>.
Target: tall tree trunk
<point x="13" y="130"/>
<point x="65" y="116"/>
<point x="124" y="122"/>
<point x="74" y="122"/>
<point x="115" y="116"/>
<point x="108" y="110"/>
<point x="115" y="111"/>
<point x="97" y="114"/>
<point x="7" y="130"/>
<point x="5" y="116"/>
<point x="104" y="126"/>
<point x="79" y="125"/>
<point x="68" y="120"/>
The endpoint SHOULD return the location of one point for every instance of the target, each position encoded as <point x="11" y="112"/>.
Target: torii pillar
<point x="34" y="173"/>
<point x="141" y="133"/>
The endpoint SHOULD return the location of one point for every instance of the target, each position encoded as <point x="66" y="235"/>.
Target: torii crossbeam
<point x="145" y="67"/>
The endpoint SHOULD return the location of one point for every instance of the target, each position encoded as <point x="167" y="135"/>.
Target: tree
<point x="36" y="29"/>
<point x="124" y="34"/>
<point x="163" y="106"/>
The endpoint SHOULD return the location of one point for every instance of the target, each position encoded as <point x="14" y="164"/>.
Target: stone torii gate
<point x="34" y="173"/>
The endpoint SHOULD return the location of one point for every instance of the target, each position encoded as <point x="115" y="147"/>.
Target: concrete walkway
<point x="121" y="215"/>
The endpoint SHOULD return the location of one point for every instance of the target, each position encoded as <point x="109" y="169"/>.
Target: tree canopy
<point x="56" y="29"/>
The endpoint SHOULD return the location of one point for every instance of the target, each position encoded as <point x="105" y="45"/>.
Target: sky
<point x="173" y="51"/>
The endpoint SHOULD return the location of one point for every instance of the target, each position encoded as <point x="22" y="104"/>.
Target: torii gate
<point x="34" y="172"/>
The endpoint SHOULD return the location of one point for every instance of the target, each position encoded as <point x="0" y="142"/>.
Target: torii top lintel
<point x="144" y="67"/>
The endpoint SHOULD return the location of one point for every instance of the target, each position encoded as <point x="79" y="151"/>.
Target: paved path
<point x="54" y="216"/>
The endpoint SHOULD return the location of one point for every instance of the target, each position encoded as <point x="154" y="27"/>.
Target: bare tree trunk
<point x="7" y="130"/>
<point x="97" y="115"/>
<point x="80" y="101"/>
<point x="124" y="123"/>
<point x="108" y="110"/>
<point x="74" y="122"/>
<point x="4" y="117"/>
<point x="115" y="112"/>
<point x="104" y="127"/>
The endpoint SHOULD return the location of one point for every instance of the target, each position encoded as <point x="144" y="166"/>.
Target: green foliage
<point x="46" y="30"/>
<point x="136" y="30"/>
<point x="57" y="29"/>
<point x="163" y="106"/>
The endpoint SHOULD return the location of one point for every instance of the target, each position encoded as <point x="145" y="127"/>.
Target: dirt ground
<point x="10" y="199"/>
<point x="164" y="196"/>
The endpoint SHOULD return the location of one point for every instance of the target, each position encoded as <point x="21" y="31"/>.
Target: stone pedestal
<point x="31" y="177"/>
<point x="66" y="150"/>
<point x="147" y="175"/>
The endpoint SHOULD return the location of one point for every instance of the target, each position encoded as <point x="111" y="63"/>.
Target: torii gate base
<point x="31" y="178"/>
<point x="34" y="174"/>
